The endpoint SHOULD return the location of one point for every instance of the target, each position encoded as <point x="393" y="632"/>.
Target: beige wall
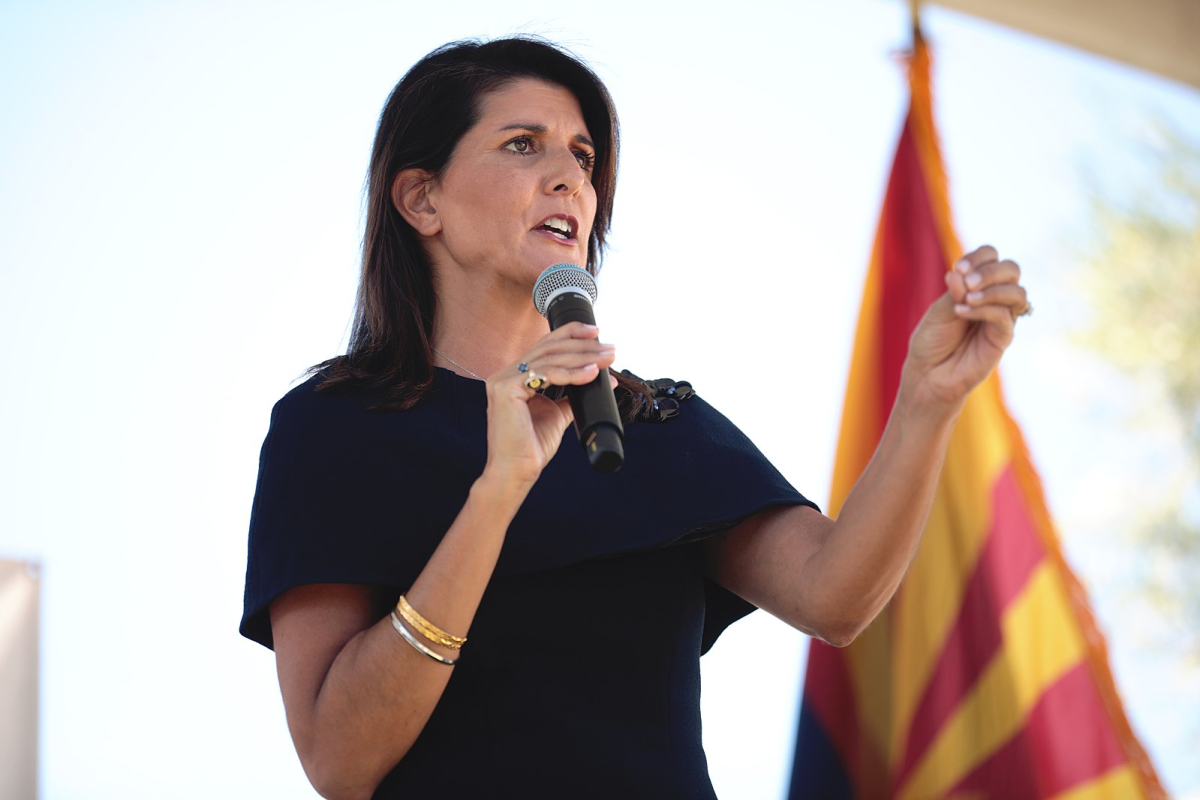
<point x="1161" y="36"/>
<point x="19" y="586"/>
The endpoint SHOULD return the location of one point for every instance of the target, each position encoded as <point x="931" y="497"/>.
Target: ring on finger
<point x="534" y="380"/>
<point x="1024" y="312"/>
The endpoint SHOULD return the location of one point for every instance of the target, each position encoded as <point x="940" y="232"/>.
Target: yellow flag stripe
<point x="859" y="431"/>
<point x="1041" y="642"/>
<point x="1117" y="784"/>
<point x="928" y="604"/>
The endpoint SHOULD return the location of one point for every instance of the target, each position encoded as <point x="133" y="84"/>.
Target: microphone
<point x="565" y="293"/>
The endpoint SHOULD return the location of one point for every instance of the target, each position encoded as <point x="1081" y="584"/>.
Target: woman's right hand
<point x="525" y="428"/>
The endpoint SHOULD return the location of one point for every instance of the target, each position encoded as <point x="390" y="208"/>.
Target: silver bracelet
<point x="408" y="637"/>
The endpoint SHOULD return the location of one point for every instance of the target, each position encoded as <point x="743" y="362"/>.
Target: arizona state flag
<point x="985" y="677"/>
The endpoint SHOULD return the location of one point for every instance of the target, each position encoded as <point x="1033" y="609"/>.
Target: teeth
<point x="560" y="225"/>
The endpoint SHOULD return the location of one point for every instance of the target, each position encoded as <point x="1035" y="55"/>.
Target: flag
<point x="986" y="676"/>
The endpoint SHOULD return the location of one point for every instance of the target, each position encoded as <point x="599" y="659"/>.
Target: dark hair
<point x="426" y="115"/>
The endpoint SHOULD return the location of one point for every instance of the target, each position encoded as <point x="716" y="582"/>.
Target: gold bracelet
<point x="428" y="633"/>
<point x="426" y="628"/>
<point x="408" y="637"/>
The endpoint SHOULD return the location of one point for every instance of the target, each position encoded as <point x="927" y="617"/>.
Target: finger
<point x="559" y="359"/>
<point x="991" y="274"/>
<point x="975" y="259"/>
<point x="575" y="376"/>
<point x="564" y="338"/>
<point x="1010" y="295"/>
<point x="547" y="350"/>
<point x="513" y="381"/>
<point x="577" y="330"/>
<point x="577" y="353"/>
<point x="999" y="315"/>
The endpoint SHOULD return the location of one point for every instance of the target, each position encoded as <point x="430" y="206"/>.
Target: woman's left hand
<point x="963" y="334"/>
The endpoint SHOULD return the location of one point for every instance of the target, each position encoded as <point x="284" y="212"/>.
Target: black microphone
<point x="565" y="293"/>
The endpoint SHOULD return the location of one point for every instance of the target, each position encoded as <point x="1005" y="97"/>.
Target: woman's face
<point x="517" y="195"/>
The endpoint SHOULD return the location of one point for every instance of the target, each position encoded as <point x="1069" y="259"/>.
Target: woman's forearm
<point x="354" y="723"/>
<point x="875" y="537"/>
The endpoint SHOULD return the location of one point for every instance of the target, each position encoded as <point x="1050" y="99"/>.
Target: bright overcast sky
<point x="180" y="208"/>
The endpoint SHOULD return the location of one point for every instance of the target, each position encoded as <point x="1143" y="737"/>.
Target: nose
<point x="564" y="176"/>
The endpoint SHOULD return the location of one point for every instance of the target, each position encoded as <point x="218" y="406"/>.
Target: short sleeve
<point x="336" y="502"/>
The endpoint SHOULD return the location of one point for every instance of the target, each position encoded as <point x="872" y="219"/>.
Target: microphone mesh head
<point x="561" y="276"/>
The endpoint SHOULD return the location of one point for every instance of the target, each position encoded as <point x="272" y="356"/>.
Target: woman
<point x="587" y="598"/>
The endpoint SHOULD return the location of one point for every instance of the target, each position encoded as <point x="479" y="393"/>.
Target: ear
<point x="411" y="195"/>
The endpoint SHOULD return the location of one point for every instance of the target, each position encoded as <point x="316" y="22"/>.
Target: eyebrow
<point x="541" y="130"/>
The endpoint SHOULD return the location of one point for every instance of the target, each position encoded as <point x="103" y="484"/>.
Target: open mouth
<point x="561" y="227"/>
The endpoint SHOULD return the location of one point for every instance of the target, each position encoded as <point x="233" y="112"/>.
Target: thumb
<point x="942" y="309"/>
<point x="956" y="285"/>
<point x="564" y="406"/>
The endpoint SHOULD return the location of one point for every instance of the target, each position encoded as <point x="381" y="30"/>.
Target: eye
<point x="586" y="160"/>
<point x="521" y="145"/>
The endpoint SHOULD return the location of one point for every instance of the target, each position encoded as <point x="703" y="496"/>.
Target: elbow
<point x="336" y="787"/>
<point x="839" y="636"/>
<point x="339" y="767"/>
<point x="333" y="781"/>
<point x="840" y="630"/>
<point x="839" y="622"/>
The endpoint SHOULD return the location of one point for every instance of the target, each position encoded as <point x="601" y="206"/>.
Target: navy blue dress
<point x="581" y="678"/>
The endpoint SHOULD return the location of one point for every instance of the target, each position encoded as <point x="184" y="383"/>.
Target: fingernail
<point x="974" y="297"/>
<point x="962" y="309"/>
<point x="963" y="266"/>
<point x="974" y="279"/>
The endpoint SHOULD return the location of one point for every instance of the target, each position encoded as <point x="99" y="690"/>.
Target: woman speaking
<point x="460" y="606"/>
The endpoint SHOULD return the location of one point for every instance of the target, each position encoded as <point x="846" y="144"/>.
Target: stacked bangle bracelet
<point x="427" y="629"/>
<point x="408" y="637"/>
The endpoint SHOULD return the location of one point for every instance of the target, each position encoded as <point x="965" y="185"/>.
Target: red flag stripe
<point x="1069" y="711"/>
<point x="911" y="260"/>
<point x="829" y="691"/>
<point x="1072" y="711"/>
<point x="1097" y="649"/>
<point x="1012" y="551"/>
<point x="1008" y="772"/>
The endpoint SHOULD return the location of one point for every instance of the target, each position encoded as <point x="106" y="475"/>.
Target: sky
<point x="180" y="217"/>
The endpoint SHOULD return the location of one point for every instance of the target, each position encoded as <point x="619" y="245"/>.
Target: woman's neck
<point x="484" y="328"/>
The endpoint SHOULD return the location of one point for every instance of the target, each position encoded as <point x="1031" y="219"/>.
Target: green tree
<point x="1142" y="280"/>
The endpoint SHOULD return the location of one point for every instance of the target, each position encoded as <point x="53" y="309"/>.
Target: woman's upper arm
<point x="763" y="560"/>
<point x="311" y="625"/>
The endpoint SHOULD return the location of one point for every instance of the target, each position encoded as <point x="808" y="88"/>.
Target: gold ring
<point x="535" y="380"/>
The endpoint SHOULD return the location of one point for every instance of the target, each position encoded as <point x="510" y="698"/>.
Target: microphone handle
<point x="597" y="420"/>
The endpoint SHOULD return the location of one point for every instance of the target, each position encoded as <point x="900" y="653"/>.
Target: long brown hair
<point x="427" y="113"/>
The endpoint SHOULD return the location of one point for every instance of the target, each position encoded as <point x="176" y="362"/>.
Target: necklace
<point x="455" y="363"/>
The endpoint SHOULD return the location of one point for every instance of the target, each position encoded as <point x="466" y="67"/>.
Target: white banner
<point x="18" y="680"/>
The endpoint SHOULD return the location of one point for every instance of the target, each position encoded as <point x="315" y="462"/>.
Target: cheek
<point x="591" y="205"/>
<point x="499" y="195"/>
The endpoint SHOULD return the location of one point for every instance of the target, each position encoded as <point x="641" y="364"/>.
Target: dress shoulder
<point x="350" y="495"/>
<point x="346" y="494"/>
